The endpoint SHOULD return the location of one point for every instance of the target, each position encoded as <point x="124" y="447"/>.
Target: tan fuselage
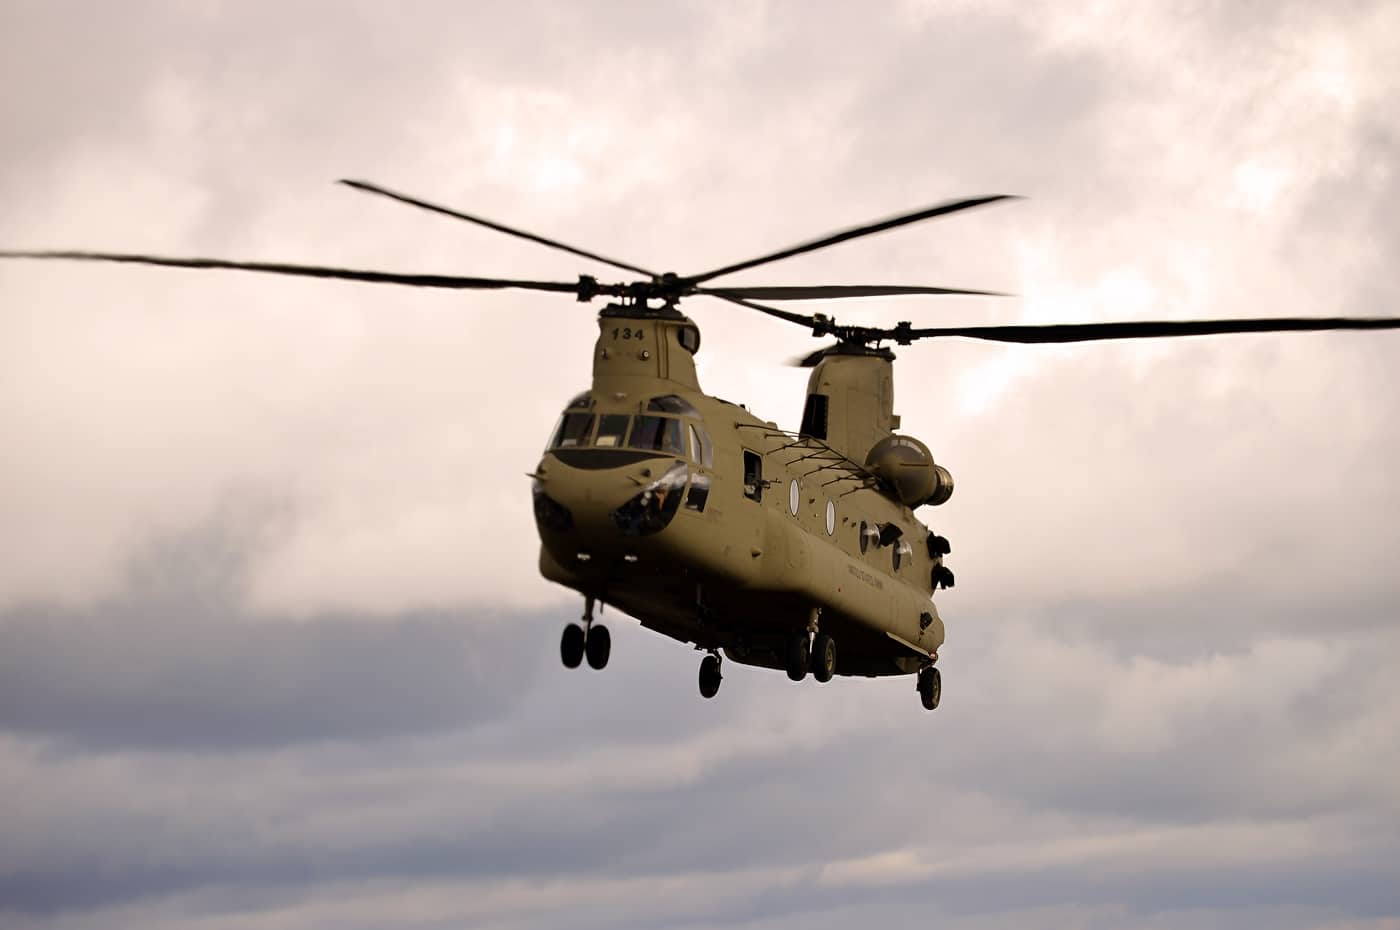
<point x="759" y="559"/>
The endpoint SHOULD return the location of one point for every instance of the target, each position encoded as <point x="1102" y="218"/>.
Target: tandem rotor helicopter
<point x="795" y="550"/>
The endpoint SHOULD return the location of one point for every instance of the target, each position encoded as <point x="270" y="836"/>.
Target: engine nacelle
<point x="907" y="468"/>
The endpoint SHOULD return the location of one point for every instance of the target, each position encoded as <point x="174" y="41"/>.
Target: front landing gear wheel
<point x="930" y="687"/>
<point x="799" y="656"/>
<point x="571" y="646"/>
<point x="710" y="676"/>
<point x="823" y="657"/>
<point x="598" y="646"/>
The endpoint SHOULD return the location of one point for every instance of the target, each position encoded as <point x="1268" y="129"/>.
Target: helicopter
<point x="795" y="550"/>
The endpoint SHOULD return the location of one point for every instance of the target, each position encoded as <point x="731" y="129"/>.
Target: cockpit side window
<point x="612" y="429"/>
<point x="662" y="433"/>
<point x="701" y="448"/>
<point x="574" y="430"/>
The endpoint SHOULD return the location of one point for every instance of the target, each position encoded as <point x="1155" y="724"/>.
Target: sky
<point x="274" y="652"/>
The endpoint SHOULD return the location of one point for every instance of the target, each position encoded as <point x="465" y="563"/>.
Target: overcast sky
<point x="273" y="649"/>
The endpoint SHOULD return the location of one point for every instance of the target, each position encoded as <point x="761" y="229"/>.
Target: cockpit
<point x="670" y="425"/>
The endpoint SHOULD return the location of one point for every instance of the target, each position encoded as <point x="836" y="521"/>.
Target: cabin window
<point x="699" y="492"/>
<point x="574" y="430"/>
<point x="814" y="416"/>
<point x="903" y="552"/>
<point x="660" y="433"/>
<point x="753" y="475"/>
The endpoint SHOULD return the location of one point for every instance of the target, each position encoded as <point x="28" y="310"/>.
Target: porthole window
<point x="864" y="537"/>
<point x="794" y="497"/>
<point x="830" y="517"/>
<point x="903" y="552"/>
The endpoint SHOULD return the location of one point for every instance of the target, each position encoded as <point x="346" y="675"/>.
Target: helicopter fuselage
<point x="714" y="527"/>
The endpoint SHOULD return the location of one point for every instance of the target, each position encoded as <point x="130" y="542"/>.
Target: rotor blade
<point x="801" y="319"/>
<point x="811" y="359"/>
<point x="835" y="291"/>
<point x="413" y="201"/>
<point x="455" y="282"/>
<point x="857" y="232"/>
<point x="1151" y="329"/>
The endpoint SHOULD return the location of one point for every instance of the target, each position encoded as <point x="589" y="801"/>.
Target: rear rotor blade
<point x="454" y="282"/>
<point x="857" y="232"/>
<point x="1147" y="329"/>
<point x="836" y="291"/>
<point x="445" y="211"/>
<point x="812" y="359"/>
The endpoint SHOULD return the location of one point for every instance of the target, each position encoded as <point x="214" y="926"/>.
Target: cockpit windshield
<point x="660" y="429"/>
<point x="612" y="430"/>
<point x="661" y="433"/>
<point x="574" y="430"/>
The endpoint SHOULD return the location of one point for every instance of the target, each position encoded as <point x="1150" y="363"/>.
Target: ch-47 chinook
<point x="795" y="550"/>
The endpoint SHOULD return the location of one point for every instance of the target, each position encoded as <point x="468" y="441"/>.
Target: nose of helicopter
<point x="603" y="501"/>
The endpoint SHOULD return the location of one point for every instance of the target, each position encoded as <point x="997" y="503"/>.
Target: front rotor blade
<point x="413" y="201"/>
<point x="857" y="232"/>
<point x="1150" y="329"/>
<point x="836" y="291"/>
<point x="454" y="282"/>
<point x="801" y="319"/>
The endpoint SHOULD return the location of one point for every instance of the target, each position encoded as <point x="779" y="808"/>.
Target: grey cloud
<point x="179" y="660"/>
<point x="574" y="777"/>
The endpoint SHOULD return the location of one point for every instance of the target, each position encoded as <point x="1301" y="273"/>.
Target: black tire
<point x="571" y="645"/>
<point x="799" y="657"/>
<point x="823" y="660"/>
<point x="598" y="647"/>
<point x="930" y="687"/>
<point x="710" y="676"/>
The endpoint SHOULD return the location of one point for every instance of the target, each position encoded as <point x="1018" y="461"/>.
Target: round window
<point x="830" y="517"/>
<point x="794" y="497"/>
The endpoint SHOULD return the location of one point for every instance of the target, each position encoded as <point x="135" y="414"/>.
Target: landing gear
<point x="930" y="687"/>
<point x="823" y="657"/>
<point x="593" y="641"/>
<point x="598" y="646"/>
<point x="571" y="646"/>
<point x="799" y="656"/>
<point x="710" y="676"/>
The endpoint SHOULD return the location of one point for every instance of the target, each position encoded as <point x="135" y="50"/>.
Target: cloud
<point x="273" y="650"/>
<point x="180" y="660"/>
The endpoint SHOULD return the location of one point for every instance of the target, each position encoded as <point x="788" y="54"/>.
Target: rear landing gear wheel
<point x="598" y="646"/>
<point x="823" y="659"/>
<point x="571" y="646"/>
<point x="930" y="687"/>
<point x="710" y="676"/>
<point x="799" y="657"/>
